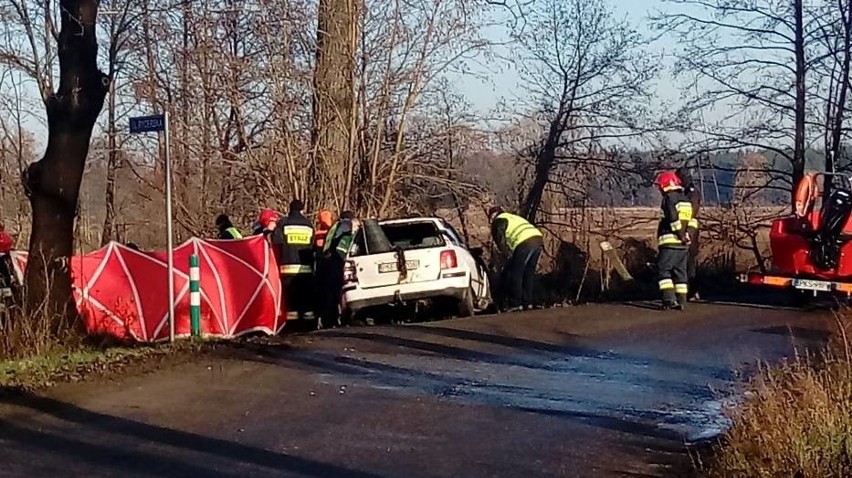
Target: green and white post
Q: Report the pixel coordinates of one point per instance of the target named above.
(194, 296)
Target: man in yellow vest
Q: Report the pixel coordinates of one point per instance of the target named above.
(227, 231)
(522, 243)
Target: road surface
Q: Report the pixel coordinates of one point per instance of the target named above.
(599, 390)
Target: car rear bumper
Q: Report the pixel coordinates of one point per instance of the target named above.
(355, 298)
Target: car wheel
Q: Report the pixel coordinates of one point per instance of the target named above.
(465, 305)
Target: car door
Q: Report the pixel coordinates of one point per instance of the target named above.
(478, 276)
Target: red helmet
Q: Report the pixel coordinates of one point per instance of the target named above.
(266, 217)
(6, 242)
(668, 180)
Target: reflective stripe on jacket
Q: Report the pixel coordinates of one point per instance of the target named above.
(339, 237)
(297, 245)
(235, 234)
(677, 220)
(518, 230)
(295, 269)
(298, 235)
(330, 236)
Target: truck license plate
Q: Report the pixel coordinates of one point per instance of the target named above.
(391, 266)
(807, 284)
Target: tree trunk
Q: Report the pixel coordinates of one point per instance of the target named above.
(52, 184)
(543, 165)
(799, 140)
(334, 101)
(109, 232)
(839, 107)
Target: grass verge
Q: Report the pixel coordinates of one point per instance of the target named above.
(86, 362)
(796, 419)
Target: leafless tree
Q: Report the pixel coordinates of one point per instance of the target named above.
(120, 17)
(588, 75)
(52, 184)
(334, 110)
(835, 41)
(751, 59)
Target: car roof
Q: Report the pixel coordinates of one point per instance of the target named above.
(412, 220)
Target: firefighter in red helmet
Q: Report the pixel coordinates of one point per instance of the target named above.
(673, 239)
(266, 223)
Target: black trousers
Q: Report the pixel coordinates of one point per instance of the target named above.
(672, 273)
(519, 274)
(297, 293)
(329, 287)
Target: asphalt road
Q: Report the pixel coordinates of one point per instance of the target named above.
(601, 390)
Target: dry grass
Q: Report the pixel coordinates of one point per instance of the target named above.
(796, 419)
(25, 334)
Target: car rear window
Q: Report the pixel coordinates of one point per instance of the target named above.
(413, 235)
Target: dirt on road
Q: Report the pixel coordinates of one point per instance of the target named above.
(599, 390)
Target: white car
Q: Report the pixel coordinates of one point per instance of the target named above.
(428, 263)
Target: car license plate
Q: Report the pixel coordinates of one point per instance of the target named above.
(807, 284)
(392, 267)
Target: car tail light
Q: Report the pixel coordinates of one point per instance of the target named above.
(449, 260)
(349, 274)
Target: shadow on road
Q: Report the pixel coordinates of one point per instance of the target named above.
(569, 348)
(127, 446)
(817, 336)
(619, 424)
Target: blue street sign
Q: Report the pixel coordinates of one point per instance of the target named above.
(147, 124)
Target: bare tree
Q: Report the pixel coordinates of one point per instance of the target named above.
(117, 28)
(52, 184)
(588, 74)
(749, 58)
(334, 100)
(835, 40)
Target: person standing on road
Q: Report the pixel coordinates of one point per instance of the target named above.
(227, 231)
(521, 243)
(694, 195)
(294, 236)
(673, 239)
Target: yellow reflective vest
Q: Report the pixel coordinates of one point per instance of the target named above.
(518, 230)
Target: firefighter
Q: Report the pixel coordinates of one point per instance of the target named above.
(267, 223)
(293, 237)
(324, 223)
(522, 243)
(226, 228)
(330, 268)
(673, 239)
(694, 195)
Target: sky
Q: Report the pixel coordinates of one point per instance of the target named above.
(503, 82)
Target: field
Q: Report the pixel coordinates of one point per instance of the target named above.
(732, 240)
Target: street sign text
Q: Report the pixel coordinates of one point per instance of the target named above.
(147, 124)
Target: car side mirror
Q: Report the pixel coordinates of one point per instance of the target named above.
(476, 251)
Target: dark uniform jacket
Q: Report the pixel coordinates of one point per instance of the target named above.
(677, 220)
(294, 236)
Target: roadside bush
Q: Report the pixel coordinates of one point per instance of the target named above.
(796, 419)
(23, 336)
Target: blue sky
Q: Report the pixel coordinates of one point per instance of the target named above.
(503, 83)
